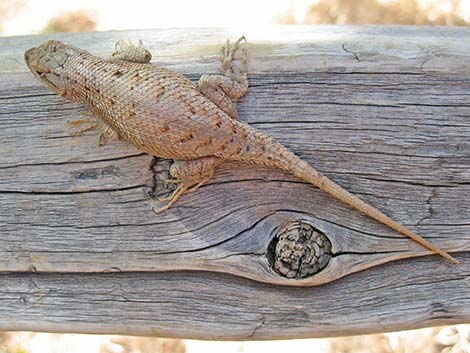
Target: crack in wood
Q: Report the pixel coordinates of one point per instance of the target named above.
(260, 324)
(65, 163)
(350, 52)
(73, 192)
(430, 210)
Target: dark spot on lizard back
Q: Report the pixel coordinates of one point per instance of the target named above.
(233, 128)
(187, 138)
(207, 142)
(223, 147)
(118, 73)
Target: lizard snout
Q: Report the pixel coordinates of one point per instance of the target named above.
(28, 54)
(48, 57)
(31, 57)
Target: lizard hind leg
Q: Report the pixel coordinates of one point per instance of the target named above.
(224, 89)
(190, 175)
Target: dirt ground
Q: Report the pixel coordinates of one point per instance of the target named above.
(448, 339)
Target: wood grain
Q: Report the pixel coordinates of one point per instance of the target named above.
(382, 111)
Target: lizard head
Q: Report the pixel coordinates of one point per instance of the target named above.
(47, 61)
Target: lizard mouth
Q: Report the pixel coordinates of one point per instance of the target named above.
(30, 57)
(42, 75)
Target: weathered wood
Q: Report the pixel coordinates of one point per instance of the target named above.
(395, 296)
(382, 111)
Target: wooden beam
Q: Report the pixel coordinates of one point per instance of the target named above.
(383, 111)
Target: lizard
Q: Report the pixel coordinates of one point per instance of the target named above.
(163, 113)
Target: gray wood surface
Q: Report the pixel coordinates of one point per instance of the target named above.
(382, 111)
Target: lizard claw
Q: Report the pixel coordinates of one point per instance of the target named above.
(228, 55)
(173, 180)
(166, 198)
(172, 198)
(92, 122)
(184, 187)
(161, 209)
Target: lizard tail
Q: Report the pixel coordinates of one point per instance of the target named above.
(306, 172)
(273, 154)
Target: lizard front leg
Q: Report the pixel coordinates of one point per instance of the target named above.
(106, 131)
(224, 89)
(127, 51)
(76, 123)
(190, 175)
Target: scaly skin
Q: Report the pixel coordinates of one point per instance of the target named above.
(164, 114)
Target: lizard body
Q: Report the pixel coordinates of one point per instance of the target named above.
(164, 114)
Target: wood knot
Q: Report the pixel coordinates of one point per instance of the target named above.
(299, 250)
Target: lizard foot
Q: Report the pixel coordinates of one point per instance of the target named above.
(127, 51)
(225, 89)
(227, 55)
(107, 133)
(184, 187)
(190, 175)
(166, 184)
(92, 122)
